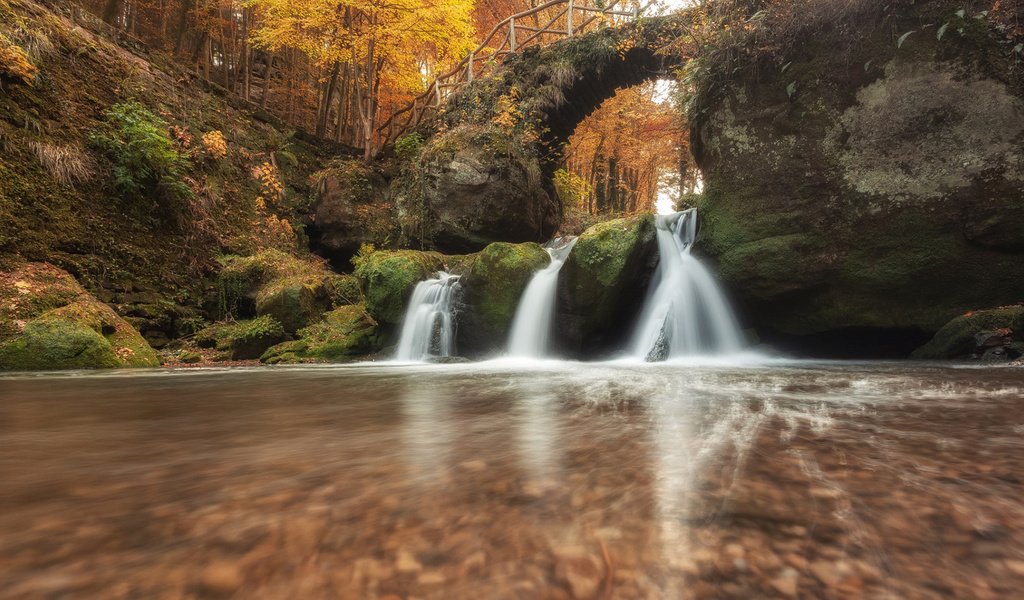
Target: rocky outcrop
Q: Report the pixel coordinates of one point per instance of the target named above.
(993, 335)
(48, 321)
(492, 288)
(349, 210)
(473, 185)
(603, 283)
(868, 194)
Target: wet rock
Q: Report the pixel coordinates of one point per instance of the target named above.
(389, 277)
(342, 334)
(602, 285)
(492, 290)
(974, 333)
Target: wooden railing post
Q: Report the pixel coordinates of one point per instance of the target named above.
(469, 68)
(437, 94)
(568, 19)
(512, 34)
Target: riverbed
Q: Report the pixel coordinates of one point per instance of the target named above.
(514, 480)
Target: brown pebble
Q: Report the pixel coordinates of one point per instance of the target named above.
(221, 578)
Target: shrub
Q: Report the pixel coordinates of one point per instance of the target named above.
(145, 159)
(215, 144)
(408, 145)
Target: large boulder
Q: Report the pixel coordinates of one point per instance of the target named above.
(867, 194)
(388, 278)
(348, 211)
(492, 287)
(473, 185)
(344, 333)
(48, 321)
(976, 333)
(603, 283)
(294, 291)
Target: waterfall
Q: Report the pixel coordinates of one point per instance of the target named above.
(685, 312)
(531, 326)
(428, 330)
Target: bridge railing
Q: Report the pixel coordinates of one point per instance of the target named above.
(570, 17)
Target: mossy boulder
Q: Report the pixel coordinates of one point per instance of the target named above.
(880, 199)
(48, 321)
(473, 185)
(603, 282)
(492, 288)
(296, 292)
(348, 210)
(389, 276)
(242, 340)
(958, 338)
(344, 333)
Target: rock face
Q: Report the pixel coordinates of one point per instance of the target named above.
(603, 283)
(470, 187)
(348, 211)
(492, 288)
(880, 198)
(48, 321)
(997, 333)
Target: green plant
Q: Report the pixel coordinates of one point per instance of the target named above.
(408, 145)
(144, 156)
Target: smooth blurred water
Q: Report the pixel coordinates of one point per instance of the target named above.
(514, 480)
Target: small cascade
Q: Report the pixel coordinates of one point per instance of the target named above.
(685, 313)
(531, 327)
(428, 330)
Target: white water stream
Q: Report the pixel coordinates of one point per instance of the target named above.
(428, 330)
(534, 318)
(686, 313)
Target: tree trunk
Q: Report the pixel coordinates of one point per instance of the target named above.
(186, 7)
(112, 10)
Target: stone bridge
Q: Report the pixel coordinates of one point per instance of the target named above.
(484, 171)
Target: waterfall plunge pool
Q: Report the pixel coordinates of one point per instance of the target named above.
(493, 480)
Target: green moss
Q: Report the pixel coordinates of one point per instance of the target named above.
(242, 277)
(495, 283)
(956, 338)
(243, 340)
(48, 321)
(388, 278)
(603, 251)
(294, 301)
(344, 332)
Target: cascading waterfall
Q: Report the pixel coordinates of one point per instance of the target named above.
(685, 313)
(428, 330)
(531, 326)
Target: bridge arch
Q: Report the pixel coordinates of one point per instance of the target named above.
(485, 171)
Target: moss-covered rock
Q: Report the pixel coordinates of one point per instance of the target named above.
(242, 340)
(349, 210)
(957, 339)
(388, 278)
(241, 278)
(603, 282)
(344, 333)
(492, 289)
(48, 321)
(881, 198)
(474, 185)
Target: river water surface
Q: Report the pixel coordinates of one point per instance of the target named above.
(496, 480)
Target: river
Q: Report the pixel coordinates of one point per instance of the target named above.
(501, 480)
